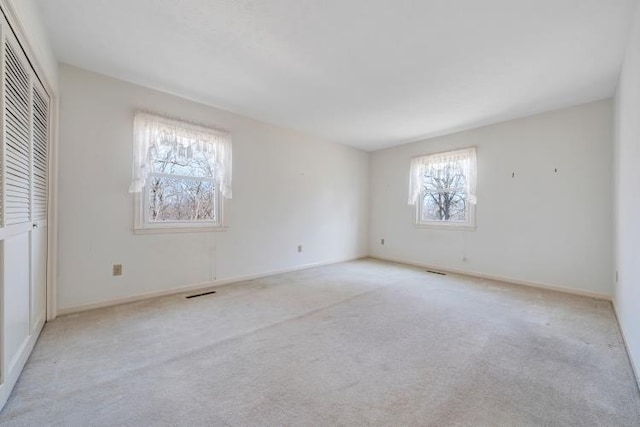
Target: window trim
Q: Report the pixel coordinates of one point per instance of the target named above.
(470, 224)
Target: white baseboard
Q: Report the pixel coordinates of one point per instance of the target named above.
(500, 278)
(17, 364)
(195, 287)
(627, 344)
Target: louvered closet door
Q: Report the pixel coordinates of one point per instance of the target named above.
(25, 111)
(39, 191)
(16, 127)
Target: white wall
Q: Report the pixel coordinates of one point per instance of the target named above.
(288, 189)
(627, 189)
(544, 227)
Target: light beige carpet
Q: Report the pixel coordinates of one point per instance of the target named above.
(359, 343)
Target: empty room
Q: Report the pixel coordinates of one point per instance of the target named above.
(320, 212)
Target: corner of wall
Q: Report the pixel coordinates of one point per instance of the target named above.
(626, 239)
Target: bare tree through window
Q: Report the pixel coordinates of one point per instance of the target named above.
(445, 194)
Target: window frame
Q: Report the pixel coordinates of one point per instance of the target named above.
(142, 224)
(470, 223)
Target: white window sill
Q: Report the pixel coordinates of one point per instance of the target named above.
(445, 226)
(170, 230)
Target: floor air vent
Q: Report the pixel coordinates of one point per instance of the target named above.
(436, 272)
(201, 295)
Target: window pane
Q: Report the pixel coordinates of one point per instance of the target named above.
(444, 206)
(446, 176)
(179, 159)
(176, 199)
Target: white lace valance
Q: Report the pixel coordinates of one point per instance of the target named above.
(464, 159)
(153, 131)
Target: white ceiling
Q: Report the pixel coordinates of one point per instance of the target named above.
(368, 73)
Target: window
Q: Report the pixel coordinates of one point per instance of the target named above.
(442, 187)
(181, 174)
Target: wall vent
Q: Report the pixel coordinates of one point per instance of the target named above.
(436, 272)
(201, 295)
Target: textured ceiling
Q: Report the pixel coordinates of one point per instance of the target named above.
(368, 73)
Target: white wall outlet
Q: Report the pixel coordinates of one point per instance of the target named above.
(299, 248)
(382, 241)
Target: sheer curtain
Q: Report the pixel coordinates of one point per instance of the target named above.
(419, 165)
(150, 130)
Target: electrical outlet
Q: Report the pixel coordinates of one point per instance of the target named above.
(117, 269)
(299, 248)
(382, 241)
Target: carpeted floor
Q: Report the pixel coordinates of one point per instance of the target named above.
(359, 343)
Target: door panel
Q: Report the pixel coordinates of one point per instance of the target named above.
(38, 276)
(39, 192)
(16, 295)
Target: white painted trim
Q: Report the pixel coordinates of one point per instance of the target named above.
(634, 367)
(197, 286)
(52, 216)
(184, 229)
(508, 280)
(3, 374)
(463, 226)
(14, 371)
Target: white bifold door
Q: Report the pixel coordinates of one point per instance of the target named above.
(24, 159)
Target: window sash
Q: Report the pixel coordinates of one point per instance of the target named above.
(468, 222)
(150, 223)
(177, 176)
(447, 190)
(467, 209)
